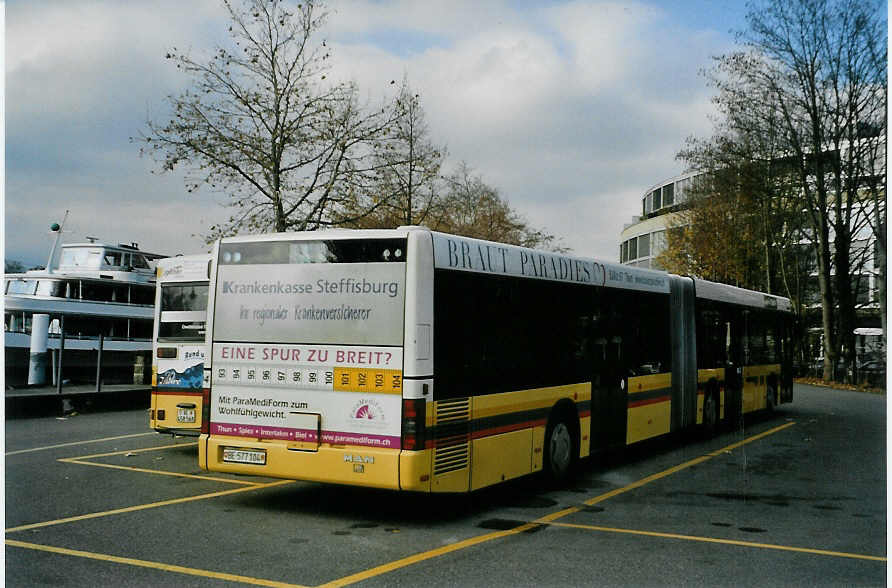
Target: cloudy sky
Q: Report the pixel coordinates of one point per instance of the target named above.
(571, 109)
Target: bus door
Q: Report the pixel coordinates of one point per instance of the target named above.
(609, 377)
(735, 333)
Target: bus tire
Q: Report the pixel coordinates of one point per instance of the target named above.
(561, 447)
(710, 414)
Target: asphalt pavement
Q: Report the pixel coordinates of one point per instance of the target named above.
(795, 498)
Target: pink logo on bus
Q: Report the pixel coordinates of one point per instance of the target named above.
(369, 411)
(364, 412)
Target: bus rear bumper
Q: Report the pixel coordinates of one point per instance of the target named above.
(355, 466)
(178, 432)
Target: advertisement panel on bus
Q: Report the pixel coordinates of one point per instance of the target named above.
(308, 350)
(344, 395)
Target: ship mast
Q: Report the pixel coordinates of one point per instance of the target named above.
(58, 230)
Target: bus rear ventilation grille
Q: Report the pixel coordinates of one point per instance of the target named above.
(450, 459)
(452, 440)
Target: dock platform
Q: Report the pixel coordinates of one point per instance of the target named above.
(70, 390)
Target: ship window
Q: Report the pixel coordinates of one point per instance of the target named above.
(97, 291)
(113, 258)
(142, 295)
(73, 257)
(22, 287)
(140, 262)
(14, 322)
(140, 329)
(119, 294)
(53, 288)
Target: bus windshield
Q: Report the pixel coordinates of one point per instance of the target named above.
(340, 292)
(184, 297)
(183, 309)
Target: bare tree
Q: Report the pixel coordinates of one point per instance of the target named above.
(262, 124)
(410, 164)
(815, 71)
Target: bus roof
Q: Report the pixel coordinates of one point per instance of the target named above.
(490, 257)
(734, 295)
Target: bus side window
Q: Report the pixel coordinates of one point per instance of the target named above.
(648, 346)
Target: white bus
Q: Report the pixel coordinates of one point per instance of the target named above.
(415, 360)
(179, 348)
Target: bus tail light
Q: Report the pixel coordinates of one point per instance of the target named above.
(167, 352)
(205, 411)
(413, 424)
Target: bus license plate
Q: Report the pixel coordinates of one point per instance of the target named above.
(252, 456)
(185, 415)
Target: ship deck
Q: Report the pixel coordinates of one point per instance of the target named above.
(70, 390)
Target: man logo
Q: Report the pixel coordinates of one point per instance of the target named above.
(348, 458)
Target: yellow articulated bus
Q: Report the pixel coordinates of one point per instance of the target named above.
(179, 348)
(415, 360)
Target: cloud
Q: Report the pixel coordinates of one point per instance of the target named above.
(81, 79)
(570, 109)
(571, 113)
(352, 18)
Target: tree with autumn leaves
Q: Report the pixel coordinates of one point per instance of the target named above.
(796, 166)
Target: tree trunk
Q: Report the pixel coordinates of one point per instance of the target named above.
(827, 310)
(846, 309)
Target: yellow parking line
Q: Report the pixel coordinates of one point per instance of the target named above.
(151, 564)
(723, 541)
(547, 519)
(419, 557)
(128, 451)
(160, 472)
(78, 443)
(139, 507)
(82, 461)
(685, 465)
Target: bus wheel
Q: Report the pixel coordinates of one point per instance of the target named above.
(770, 398)
(559, 444)
(710, 414)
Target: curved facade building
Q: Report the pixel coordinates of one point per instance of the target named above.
(645, 237)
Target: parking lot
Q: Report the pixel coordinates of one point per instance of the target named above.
(794, 498)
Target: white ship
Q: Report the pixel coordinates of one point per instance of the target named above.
(94, 289)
